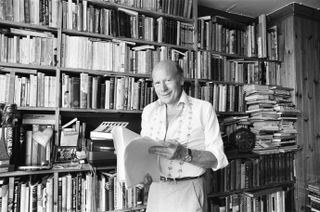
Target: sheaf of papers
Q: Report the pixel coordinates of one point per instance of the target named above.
(133, 159)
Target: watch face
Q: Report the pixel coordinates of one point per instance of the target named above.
(188, 157)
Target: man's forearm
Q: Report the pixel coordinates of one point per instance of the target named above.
(204, 159)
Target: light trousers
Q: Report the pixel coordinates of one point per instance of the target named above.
(180, 196)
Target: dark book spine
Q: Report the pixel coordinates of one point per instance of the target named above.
(60, 194)
(142, 94)
(74, 192)
(8, 10)
(96, 21)
(110, 188)
(122, 23)
(90, 16)
(45, 12)
(112, 91)
(34, 198)
(64, 14)
(114, 23)
(141, 26)
(102, 95)
(17, 196)
(26, 12)
(41, 11)
(78, 192)
(76, 92)
(89, 95)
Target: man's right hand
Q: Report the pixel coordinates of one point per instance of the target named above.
(147, 180)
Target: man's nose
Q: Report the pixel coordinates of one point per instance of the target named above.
(163, 86)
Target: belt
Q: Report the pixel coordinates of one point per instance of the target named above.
(168, 179)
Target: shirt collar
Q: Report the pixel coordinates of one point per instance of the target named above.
(183, 99)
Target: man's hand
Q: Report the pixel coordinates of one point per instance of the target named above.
(171, 149)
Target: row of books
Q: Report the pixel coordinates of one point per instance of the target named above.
(313, 193)
(223, 35)
(254, 172)
(36, 90)
(27, 194)
(176, 8)
(268, 200)
(36, 140)
(43, 12)
(219, 68)
(85, 53)
(84, 91)
(28, 47)
(223, 97)
(120, 93)
(125, 23)
(31, 151)
(76, 192)
(229, 36)
(114, 195)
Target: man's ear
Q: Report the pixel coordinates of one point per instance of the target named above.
(181, 81)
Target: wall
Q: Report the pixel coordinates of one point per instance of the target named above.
(300, 43)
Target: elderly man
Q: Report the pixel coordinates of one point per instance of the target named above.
(189, 133)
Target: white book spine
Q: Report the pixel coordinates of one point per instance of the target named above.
(23, 196)
(107, 95)
(64, 194)
(69, 193)
(49, 189)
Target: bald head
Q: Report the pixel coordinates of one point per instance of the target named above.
(170, 66)
(168, 81)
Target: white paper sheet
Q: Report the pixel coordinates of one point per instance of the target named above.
(138, 161)
(133, 159)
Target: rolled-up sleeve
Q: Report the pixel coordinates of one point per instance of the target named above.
(213, 140)
(144, 121)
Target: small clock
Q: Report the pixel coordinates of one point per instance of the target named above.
(243, 140)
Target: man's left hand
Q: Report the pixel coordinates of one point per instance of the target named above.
(171, 149)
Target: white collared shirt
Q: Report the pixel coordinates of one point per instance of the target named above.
(196, 127)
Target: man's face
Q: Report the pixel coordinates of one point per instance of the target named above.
(168, 85)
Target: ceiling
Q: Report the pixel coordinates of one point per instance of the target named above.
(254, 8)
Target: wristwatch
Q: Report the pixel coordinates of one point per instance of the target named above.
(188, 157)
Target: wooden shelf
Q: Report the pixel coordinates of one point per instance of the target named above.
(130, 40)
(128, 209)
(29, 26)
(143, 11)
(105, 73)
(79, 110)
(271, 185)
(219, 82)
(55, 169)
(26, 67)
(231, 113)
(49, 109)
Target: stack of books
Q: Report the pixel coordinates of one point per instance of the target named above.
(314, 196)
(260, 103)
(287, 115)
(272, 114)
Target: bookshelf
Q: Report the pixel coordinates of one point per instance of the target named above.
(62, 56)
(236, 53)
